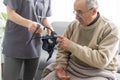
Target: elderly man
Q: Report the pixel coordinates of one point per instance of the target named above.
(89, 48)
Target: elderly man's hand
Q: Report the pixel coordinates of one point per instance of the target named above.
(62, 75)
(62, 41)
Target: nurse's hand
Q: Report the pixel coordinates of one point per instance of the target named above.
(49, 29)
(33, 26)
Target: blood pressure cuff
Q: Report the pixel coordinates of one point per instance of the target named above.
(49, 42)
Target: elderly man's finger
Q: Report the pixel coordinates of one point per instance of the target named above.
(59, 36)
(65, 78)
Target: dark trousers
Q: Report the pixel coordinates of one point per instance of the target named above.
(12, 68)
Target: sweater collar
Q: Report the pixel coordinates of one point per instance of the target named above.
(93, 24)
(98, 15)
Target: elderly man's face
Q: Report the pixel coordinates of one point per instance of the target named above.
(83, 14)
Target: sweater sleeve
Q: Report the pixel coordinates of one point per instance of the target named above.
(63, 56)
(103, 54)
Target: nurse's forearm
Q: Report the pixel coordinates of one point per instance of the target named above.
(46, 23)
(16, 18)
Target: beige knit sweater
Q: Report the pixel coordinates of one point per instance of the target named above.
(94, 46)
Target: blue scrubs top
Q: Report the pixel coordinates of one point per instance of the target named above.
(16, 36)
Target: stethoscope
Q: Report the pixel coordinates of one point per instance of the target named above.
(34, 5)
(39, 19)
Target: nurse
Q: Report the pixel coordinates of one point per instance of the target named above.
(23, 18)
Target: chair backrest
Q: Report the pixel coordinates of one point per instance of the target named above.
(60, 26)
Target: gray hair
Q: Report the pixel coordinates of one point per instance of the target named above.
(91, 4)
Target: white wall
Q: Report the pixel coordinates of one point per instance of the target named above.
(2, 6)
(63, 10)
(110, 9)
